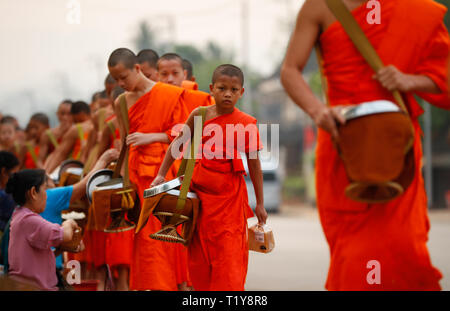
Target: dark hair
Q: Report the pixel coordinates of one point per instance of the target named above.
(124, 56)
(170, 56)
(109, 79)
(21, 182)
(116, 92)
(66, 101)
(228, 70)
(8, 160)
(41, 118)
(80, 106)
(8, 119)
(149, 56)
(187, 65)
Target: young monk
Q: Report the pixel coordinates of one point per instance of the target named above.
(51, 138)
(189, 83)
(153, 108)
(147, 60)
(37, 125)
(75, 139)
(110, 84)
(218, 253)
(171, 71)
(8, 135)
(413, 43)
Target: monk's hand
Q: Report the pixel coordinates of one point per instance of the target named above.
(393, 79)
(139, 139)
(327, 119)
(261, 214)
(157, 181)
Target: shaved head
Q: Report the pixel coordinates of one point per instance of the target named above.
(187, 65)
(124, 56)
(170, 56)
(109, 79)
(149, 56)
(228, 70)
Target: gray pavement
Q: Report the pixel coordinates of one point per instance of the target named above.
(300, 259)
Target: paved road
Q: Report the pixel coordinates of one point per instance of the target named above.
(300, 259)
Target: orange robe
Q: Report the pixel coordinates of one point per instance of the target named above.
(28, 160)
(154, 264)
(194, 99)
(395, 233)
(189, 85)
(218, 253)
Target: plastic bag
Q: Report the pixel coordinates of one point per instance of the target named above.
(260, 238)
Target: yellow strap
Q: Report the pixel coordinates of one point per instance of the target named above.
(112, 127)
(360, 41)
(124, 116)
(189, 167)
(32, 153)
(52, 138)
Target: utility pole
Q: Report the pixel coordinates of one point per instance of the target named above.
(428, 155)
(247, 100)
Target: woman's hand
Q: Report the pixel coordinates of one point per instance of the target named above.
(261, 214)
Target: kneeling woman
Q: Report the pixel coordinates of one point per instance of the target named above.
(31, 259)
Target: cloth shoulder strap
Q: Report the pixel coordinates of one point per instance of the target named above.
(188, 168)
(32, 152)
(123, 156)
(359, 39)
(52, 138)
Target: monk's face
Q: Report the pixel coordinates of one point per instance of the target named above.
(226, 91)
(103, 102)
(109, 87)
(149, 71)
(63, 114)
(7, 134)
(171, 72)
(80, 117)
(35, 129)
(126, 78)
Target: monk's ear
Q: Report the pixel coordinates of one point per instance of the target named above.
(211, 87)
(242, 92)
(185, 74)
(137, 67)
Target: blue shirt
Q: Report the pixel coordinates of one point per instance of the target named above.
(7, 206)
(58, 200)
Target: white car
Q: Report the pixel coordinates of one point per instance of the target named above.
(271, 186)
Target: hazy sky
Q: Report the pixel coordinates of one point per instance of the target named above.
(44, 57)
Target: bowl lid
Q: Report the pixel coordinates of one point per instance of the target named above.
(368, 108)
(171, 184)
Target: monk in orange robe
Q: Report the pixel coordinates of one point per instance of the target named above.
(75, 139)
(218, 252)
(174, 70)
(51, 138)
(189, 83)
(154, 109)
(147, 60)
(413, 43)
(37, 125)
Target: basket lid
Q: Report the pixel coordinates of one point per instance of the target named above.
(97, 178)
(171, 184)
(368, 108)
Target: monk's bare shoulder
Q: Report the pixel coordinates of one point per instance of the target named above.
(314, 10)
